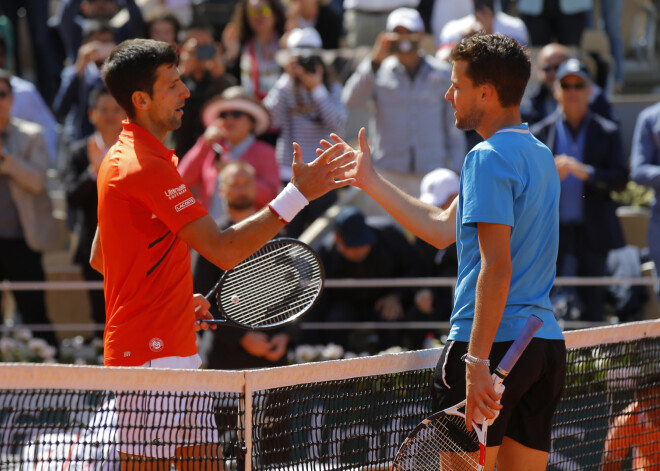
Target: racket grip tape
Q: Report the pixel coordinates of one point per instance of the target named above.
(512, 355)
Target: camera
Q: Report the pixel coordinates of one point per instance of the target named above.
(309, 63)
(205, 52)
(404, 45)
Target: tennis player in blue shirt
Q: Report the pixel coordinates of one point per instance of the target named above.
(505, 224)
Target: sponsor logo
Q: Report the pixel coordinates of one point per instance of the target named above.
(175, 192)
(156, 344)
(127, 354)
(184, 204)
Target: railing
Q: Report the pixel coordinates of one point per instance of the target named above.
(330, 284)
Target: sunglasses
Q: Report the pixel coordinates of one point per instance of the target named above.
(574, 86)
(548, 68)
(4, 94)
(264, 11)
(231, 113)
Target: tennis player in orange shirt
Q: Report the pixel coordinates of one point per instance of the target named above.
(148, 219)
(637, 428)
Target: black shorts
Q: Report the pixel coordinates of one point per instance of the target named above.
(533, 389)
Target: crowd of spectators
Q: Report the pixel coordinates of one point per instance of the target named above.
(271, 72)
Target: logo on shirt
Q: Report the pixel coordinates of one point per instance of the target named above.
(184, 204)
(156, 344)
(175, 192)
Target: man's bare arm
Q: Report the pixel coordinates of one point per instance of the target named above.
(229, 247)
(434, 225)
(96, 257)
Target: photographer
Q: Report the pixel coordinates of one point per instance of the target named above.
(412, 128)
(306, 105)
(79, 79)
(486, 18)
(203, 72)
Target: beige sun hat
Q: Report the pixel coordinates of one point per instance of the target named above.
(236, 98)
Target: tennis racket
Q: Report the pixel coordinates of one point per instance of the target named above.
(274, 286)
(442, 441)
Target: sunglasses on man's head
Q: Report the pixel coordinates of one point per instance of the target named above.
(548, 68)
(256, 11)
(231, 113)
(573, 86)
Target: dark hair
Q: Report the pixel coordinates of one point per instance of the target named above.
(94, 27)
(497, 60)
(132, 67)
(200, 25)
(6, 77)
(95, 94)
(161, 14)
(240, 19)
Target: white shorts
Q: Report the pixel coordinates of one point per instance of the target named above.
(155, 424)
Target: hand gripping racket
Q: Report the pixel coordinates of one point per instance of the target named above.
(442, 442)
(276, 285)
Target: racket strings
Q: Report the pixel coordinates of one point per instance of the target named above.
(444, 444)
(272, 286)
(272, 289)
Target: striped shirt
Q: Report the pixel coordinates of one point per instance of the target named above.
(304, 117)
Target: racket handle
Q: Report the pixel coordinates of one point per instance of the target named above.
(512, 355)
(499, 388)
(213, 321)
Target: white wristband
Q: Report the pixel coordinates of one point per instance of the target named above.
(288, 203)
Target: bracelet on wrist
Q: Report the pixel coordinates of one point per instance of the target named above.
(470, 360)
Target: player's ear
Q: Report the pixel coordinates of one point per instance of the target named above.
(488, 92)
(141, 100)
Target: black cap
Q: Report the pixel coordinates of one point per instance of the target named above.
(353, 229)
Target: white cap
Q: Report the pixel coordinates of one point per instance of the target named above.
(438, 185)
(409, 18)
(304, 37)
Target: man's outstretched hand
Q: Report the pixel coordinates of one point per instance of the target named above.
(362, 173)
(333, 168)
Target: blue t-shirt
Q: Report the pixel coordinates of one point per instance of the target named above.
(509, 179)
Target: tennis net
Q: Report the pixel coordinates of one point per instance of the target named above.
(336, 415)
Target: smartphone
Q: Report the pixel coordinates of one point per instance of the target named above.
(205, 52)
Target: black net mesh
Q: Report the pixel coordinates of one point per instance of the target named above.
(339, 424)
(72, 429)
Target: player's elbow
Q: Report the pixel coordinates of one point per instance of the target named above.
(499, 267)
(96, 262)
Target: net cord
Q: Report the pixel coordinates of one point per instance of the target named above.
(105, 378)
(48, 376)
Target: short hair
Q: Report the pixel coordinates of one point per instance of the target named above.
(237, 165)
(161, 14)
(5, 76)
(95, 94)
(132, 67)
(497, 60)
(94, 27)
